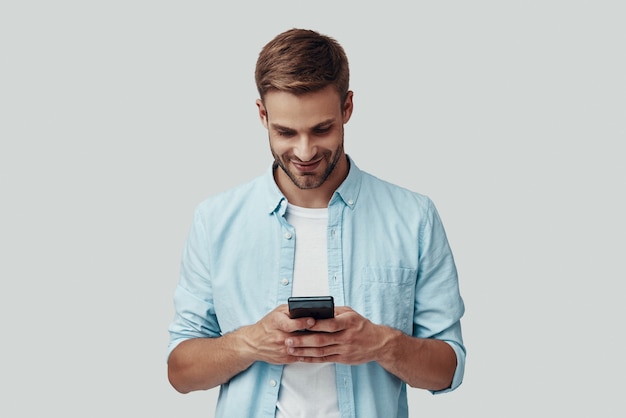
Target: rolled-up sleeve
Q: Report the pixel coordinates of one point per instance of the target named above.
(194, 311)
(438, 302)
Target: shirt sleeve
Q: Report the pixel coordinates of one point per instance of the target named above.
(194, 312)
(438, 302)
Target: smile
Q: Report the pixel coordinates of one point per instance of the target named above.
(306, 167)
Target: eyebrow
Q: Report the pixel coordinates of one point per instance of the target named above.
(322, 124)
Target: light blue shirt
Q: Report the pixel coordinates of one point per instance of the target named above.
(388, 259)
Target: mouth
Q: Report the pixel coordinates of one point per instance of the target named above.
(306, 167)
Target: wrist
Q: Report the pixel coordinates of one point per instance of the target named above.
(242, 343)
(391, 344)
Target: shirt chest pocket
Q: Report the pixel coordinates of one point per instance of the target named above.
(388, 296)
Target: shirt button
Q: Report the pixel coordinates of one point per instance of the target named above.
(287, 235)
(273, 383)
(351, 202)
(284, 282)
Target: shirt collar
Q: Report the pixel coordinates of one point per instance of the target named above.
(347, 192)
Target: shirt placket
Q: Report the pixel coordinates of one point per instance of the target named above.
(283, 291)
(343, 373)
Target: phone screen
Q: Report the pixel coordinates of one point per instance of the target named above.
(318, 307)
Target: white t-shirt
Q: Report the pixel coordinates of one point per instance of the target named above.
(309, 390)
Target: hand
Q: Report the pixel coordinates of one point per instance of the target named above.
(348, 338)
(265, 340)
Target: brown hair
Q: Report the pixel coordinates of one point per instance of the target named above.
(300, 61)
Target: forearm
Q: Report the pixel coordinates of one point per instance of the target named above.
(420, 362)
(203, 363)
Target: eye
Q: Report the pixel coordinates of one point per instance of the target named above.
(284, 133)
(322, 131)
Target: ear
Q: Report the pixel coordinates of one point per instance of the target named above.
(348, 106)
(262, 112)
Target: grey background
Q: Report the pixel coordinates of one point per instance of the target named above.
(117, 118)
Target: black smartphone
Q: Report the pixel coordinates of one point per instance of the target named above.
(318, 307)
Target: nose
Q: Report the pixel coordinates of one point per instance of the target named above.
(304, 148)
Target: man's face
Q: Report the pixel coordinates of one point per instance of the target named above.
(306, 134)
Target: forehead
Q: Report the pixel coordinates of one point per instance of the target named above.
(304, 110)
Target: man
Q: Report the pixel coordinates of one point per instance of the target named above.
(315, 224)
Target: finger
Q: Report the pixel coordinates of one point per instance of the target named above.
(318, 360)
(279, 319)
(342, 309)
(298, 324)
(311, 340)
(327, 325)
(313, 352)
